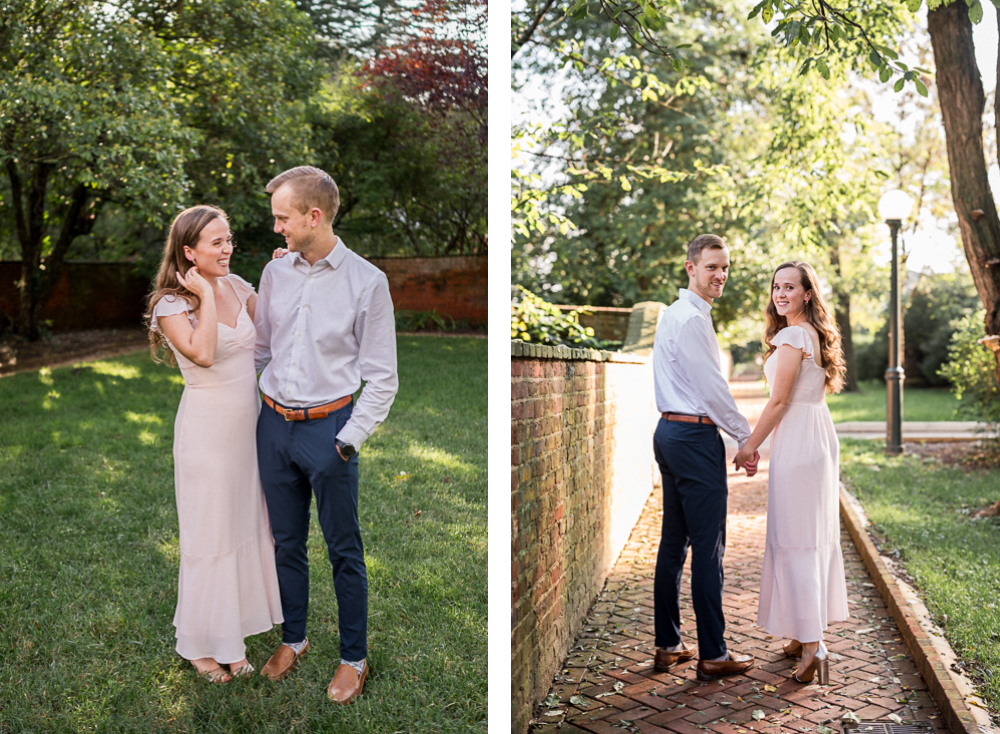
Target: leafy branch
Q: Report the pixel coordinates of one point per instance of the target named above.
(820, 23)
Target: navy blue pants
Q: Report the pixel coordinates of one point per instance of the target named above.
(692, 460)
(298, 459)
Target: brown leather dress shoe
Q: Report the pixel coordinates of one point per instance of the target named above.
(715, 669)
(347, 685)
(665, 659)
(283, 662)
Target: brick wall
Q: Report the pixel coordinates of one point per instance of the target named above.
(449, 285)
(98, 294)
(607, 323)
(88, 295)
(581, 469)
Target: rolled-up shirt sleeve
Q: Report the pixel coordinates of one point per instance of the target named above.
(375, 331)
(698, 361)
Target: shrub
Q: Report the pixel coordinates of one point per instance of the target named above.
(937, 301)
(969, 369)
(535, 320)
(423, 321)
(934, 304)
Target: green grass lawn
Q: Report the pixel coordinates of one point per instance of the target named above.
(921, 511)
(925, 404)
(89, 559)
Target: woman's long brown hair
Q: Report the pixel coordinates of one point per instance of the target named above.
(817, 314)
(184, 232)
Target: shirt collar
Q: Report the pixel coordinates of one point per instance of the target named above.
(700, 303)
(334, 259)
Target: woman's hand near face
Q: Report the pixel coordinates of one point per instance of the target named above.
(196, 343)
(196, 283)
(279, 252)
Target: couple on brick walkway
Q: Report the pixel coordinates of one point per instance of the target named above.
(803, 587)
(610, 683)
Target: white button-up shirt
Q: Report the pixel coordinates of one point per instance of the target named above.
(687, 371)
(324, 328)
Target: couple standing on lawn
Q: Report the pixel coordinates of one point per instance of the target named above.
(245, 471)
(802, 586)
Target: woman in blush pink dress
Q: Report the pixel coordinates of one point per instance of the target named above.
(228, 585)
(802, 586)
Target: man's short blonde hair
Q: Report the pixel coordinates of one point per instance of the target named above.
(704, 242)
(311, 188)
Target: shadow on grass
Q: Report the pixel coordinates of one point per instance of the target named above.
(89, 558)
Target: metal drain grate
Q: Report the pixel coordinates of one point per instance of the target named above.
(886, 727)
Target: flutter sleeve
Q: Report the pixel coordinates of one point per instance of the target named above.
(793, 336)
(243, 289)
(168, 306)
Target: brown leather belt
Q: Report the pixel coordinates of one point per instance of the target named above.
(303, 414)
(685, 418)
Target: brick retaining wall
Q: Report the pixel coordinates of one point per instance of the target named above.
(100, 294)
(449, 285)
(581, 470)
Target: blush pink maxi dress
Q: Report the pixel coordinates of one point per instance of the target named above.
(228, 585)
(802, 585)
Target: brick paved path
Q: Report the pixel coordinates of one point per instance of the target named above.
(608, 685)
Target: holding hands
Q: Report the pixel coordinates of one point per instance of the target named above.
(747, 460)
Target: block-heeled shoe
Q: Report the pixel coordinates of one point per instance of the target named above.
(819, 668)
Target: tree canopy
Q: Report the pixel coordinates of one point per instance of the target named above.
(835, 174)
(115, 115)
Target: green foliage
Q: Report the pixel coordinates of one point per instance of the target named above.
(347, 28)
(648, 156)
(89, 555)
(647, 162)
(859, 37)
(114, 116)
(423, 321)
(933, 307)
(131, 112)
(970, 370)
(410, 183)
(535, 320)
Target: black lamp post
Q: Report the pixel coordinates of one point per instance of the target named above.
(894, 207)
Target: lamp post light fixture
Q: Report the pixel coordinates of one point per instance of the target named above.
(893, 208)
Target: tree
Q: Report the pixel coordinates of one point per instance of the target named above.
(862, 33)
(410, 183)
(143, 104)
(355, 29)
(744, 148)
(405, 134)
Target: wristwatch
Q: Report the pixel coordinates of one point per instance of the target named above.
(347, 450)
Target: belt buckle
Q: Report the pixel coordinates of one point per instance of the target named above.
(288, 414)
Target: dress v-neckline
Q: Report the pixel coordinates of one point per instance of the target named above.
(238, 313)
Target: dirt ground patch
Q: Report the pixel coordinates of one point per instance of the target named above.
(17, 355)
(965, 455)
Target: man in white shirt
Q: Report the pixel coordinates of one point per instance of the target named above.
(324, 323)
(694, 400)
